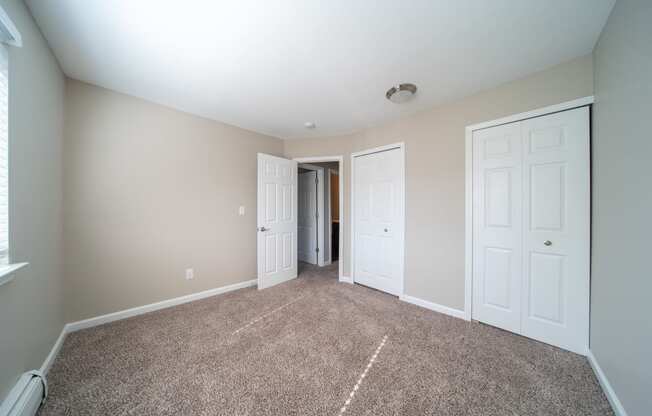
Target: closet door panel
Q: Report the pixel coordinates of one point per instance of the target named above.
(378, 216)
(497, 226)
(556, 214)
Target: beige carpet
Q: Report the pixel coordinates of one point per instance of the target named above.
(314, 346)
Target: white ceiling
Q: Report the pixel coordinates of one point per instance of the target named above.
(271, 65)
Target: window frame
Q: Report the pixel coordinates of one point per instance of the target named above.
(9, 38)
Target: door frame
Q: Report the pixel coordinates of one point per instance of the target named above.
(320, 209)
(340, 160)
(330, 173)
(401, 234)
(468, 205)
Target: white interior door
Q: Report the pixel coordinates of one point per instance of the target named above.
(498, 228)
(307, 217)
(277, 220)
(378, 220)
(556, 220)
(531, 223)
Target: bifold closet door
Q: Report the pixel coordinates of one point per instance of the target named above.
(531, 219)
(497, 265)
(378, 216)
(556, 238)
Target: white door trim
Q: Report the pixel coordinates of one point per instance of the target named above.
(340, 160)
(320, 210)
(580, 102)
(401, 235)
(329, 241)
(468, 211)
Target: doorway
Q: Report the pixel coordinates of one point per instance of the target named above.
(335, 214)
(311, 200)
(277, 212)
(319, 226)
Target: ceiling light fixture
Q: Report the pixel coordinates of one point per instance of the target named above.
(401, 93)
(309, 125)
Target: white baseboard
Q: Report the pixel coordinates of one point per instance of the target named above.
(47, 364)
(139, 310)
(616, 405)
(127, 313)
(346, 279)
(434, 306)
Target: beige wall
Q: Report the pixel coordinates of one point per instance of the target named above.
(434, 244)
(621, 281)
(31, 314)
(150, 191)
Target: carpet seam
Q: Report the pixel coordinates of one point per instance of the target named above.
(265, 315)
(370, 364)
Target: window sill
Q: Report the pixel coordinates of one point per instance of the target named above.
(7, 272)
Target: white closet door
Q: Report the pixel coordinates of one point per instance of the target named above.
(307, 217)
(497, 226)
(378, 216)
(556, 218)
(531, 224)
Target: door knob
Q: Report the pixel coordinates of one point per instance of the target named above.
(385, 230)
(547, 243)
(263, 229)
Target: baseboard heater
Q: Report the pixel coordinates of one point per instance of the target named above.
(26, 396)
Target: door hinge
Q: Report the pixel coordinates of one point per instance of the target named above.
(317, 249)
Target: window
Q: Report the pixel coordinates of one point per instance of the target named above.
(9, 38)
(4, 156)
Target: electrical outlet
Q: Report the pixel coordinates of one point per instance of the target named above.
(241, 210)
(190, 274)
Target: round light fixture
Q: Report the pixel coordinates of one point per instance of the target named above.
(309, 125)
(401, 93)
